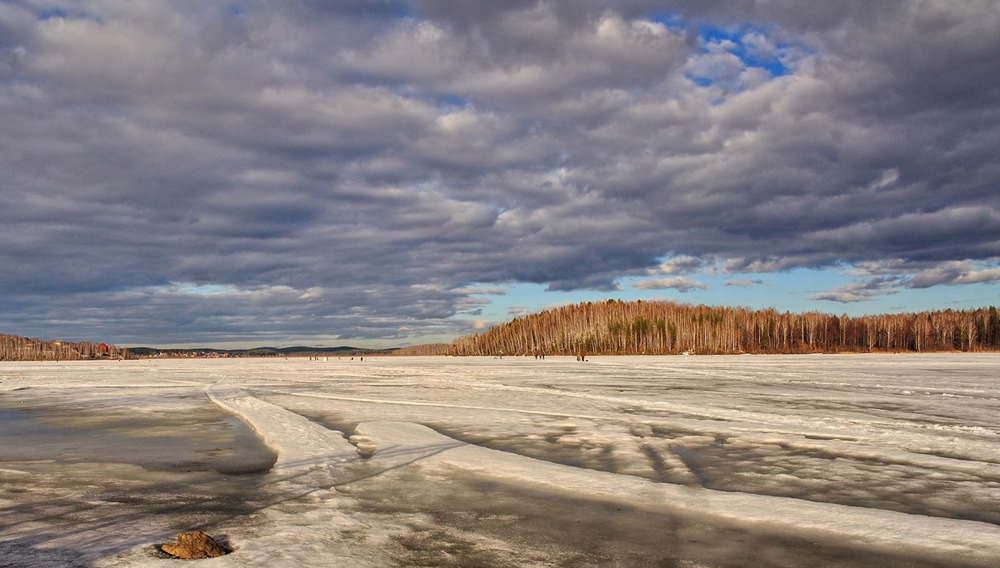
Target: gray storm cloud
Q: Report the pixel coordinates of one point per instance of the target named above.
(178, 172)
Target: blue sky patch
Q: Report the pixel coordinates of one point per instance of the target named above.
(753, 46)
(723, 52)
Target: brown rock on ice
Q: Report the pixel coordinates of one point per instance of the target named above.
(194, 545)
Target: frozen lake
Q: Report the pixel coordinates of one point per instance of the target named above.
(832, 460)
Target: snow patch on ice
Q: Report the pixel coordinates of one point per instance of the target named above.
(298, 441)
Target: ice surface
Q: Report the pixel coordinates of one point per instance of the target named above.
(889, 460)
(168, 429)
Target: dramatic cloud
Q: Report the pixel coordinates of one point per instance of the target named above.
(182, 172)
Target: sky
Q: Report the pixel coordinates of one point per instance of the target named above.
(386, 172)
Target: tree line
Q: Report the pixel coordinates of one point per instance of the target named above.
(15, 348)
(664, 328)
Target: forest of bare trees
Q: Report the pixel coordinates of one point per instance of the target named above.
(661, 328)
(14, 348)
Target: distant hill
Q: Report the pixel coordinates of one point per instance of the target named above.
(295, 351)
(631, 328)
(16, 348)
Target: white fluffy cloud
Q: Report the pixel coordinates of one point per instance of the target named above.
(679, 283)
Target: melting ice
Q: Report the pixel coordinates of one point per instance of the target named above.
(847, 460)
